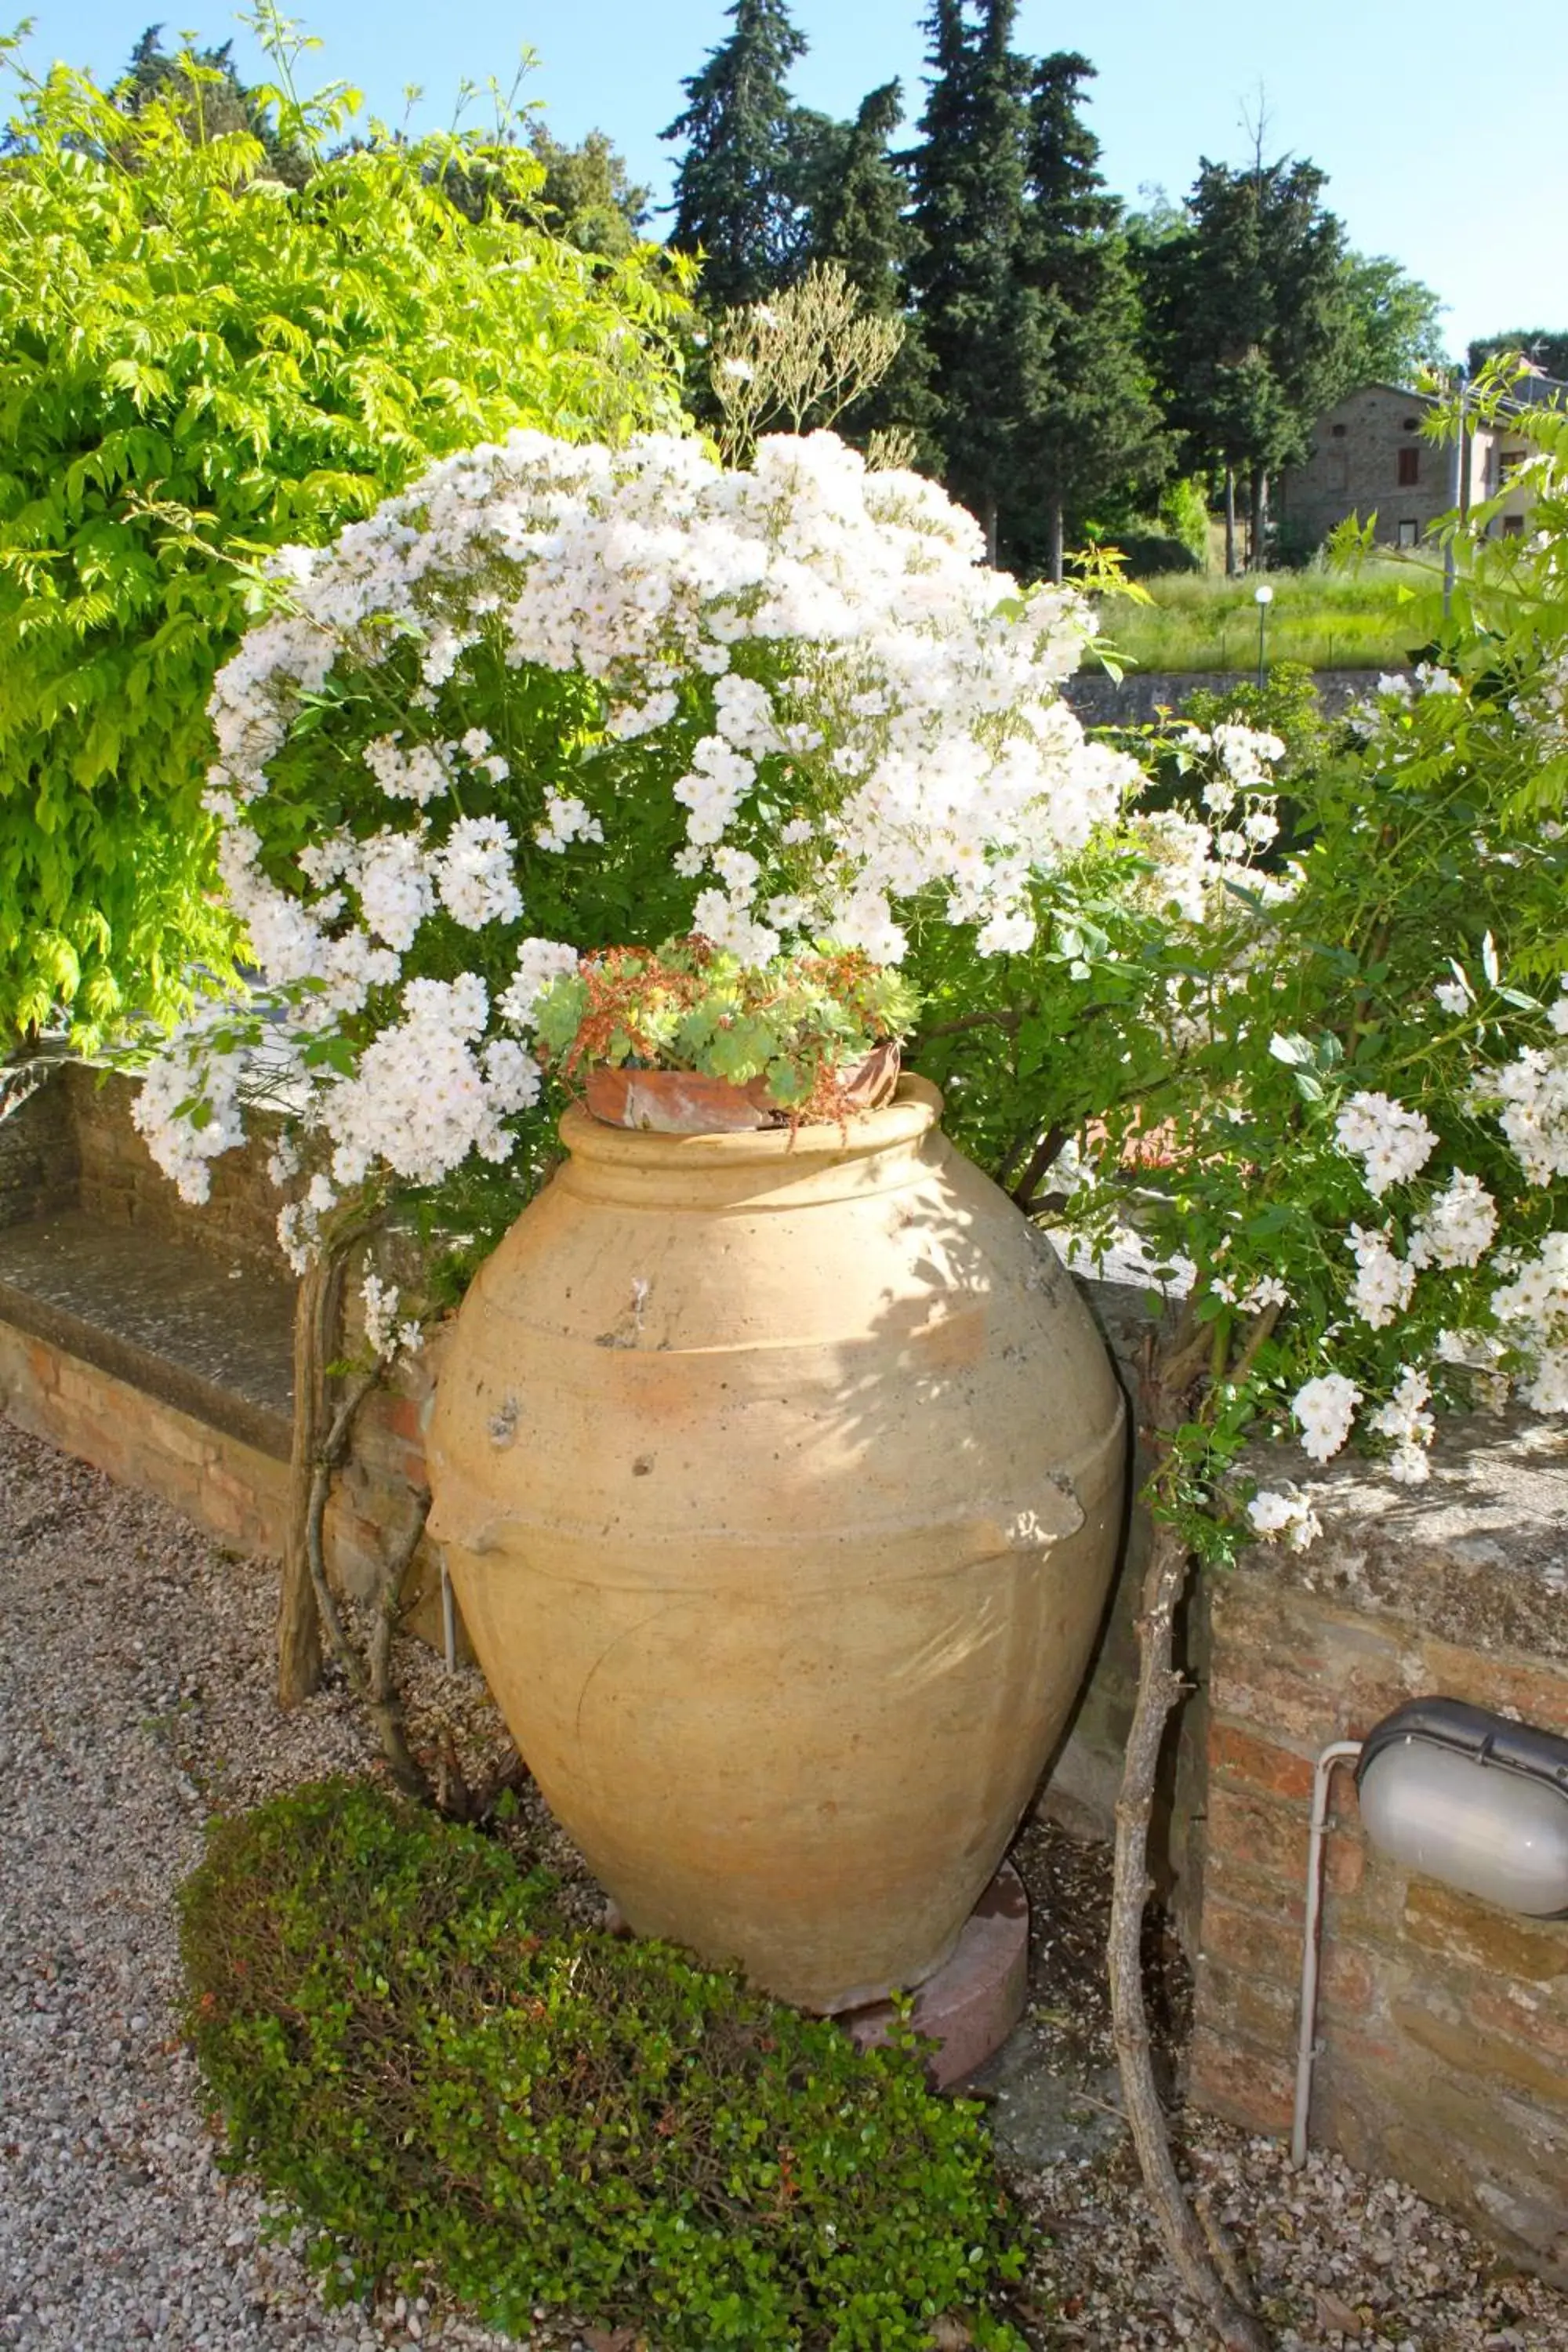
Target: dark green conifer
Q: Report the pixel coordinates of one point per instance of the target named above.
(737, 189)
(968, 178)
(1090, 431)
(858, 211)
(1027, 304)
(1251, 324)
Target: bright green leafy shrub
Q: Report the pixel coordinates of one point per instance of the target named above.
(446, 2080)
(198, 364)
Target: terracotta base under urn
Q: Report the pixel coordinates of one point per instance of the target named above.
(975, 1999)
(972, 2003)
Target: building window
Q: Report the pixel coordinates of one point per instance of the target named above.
(1512, 526)
(1409, 468)
(1337, 431)
(1409, 534)
(1508, 462)
(1412, 425)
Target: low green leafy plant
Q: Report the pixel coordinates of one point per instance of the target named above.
(803, 1023)
(453, 2086)
(1287, 705)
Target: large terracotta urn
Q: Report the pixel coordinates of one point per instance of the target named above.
(779, 1477)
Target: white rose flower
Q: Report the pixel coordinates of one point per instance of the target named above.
(1324, 1410)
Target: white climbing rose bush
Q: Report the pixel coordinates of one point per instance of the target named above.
(553, 697)
(1365, 1141)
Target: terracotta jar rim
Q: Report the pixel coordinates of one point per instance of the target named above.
(913, 1111)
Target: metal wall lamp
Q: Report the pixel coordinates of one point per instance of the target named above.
(1458, 1794)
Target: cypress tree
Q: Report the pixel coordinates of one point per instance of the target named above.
(968, 177)
(737, 194)
(1027, 303)
(858, 207)
(1090, 430)
(859, 220)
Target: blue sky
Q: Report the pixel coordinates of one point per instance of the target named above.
(1443, 130)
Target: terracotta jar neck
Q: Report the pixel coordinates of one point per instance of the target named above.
(877, 1151)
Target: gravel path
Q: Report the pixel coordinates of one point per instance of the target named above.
(134, 1696)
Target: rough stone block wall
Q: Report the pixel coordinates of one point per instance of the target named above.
(1135, 700)
(1355, 470)
(1443, 2021)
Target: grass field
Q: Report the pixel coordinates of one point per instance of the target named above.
(1364, 620)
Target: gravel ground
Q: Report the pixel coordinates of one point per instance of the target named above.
(1335, 2259)
(134, 1696)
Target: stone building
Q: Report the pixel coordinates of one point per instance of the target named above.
(1368, 458)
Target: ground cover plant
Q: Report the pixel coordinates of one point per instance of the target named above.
(1321, 619)
(451, 2084)
(199, 363)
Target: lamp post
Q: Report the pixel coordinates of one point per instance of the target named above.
(1262, 597)
(1461, 492)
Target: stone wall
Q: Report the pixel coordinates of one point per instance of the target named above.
(1353, 467)
(1139, 697)
(1443, 2021)
(40, 1155)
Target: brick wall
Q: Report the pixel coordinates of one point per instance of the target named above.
(119, 1181)
(1444, 2022)
(39, 1155)
(234, 1490)
(237, 1492)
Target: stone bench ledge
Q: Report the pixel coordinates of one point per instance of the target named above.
(1477, 1556)
(214, 1341)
